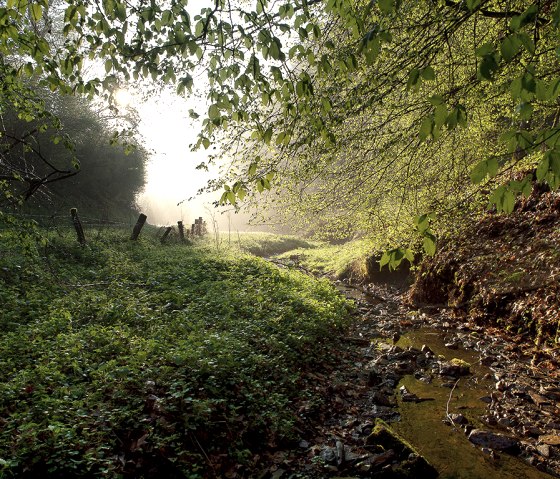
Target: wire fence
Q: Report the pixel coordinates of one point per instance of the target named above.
(93, 228)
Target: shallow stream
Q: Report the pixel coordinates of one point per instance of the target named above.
(422, 423)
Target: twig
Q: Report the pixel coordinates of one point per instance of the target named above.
(449, 401)
(203, 451)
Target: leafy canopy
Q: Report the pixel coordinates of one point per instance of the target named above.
(293, 80)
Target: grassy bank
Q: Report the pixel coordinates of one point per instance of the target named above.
(349, 260)
(132, 359)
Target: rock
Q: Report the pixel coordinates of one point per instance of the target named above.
(544, 450)
(487, 360)
(538, 399)
(340, 453)
(374, 460)
(493, 440)
(386, 413)
(411, 463)
(507, 422)
(328, 454)
(303, 444)
(426, 350)
(550, 439)
(382, 399)
(374, 378)
(454, 368)
(404, 367)
(458, 418)
(501, 385)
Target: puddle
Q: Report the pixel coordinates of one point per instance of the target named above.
(422, 423)
(358, 294)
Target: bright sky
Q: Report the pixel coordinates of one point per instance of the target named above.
(172, 177)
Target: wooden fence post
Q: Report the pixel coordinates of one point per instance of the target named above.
(138, 226)
(166, 234)
(78, 226)
(181, 231)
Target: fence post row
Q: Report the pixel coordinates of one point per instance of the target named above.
(181, 231)
(78, 226)
(138, 226)
(166, 234)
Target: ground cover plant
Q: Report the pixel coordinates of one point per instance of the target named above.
(346, 260)
(129, 359)
(269, 244)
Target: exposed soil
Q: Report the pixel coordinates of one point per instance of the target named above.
(502, 271)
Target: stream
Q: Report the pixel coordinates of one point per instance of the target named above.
(422, 423)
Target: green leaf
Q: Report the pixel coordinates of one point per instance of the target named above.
(556, 15)
(486, 49)
(509, 47)
(36, 11)
(426, 128)
(527, 42)
(413, 79)
(543, 167)
(440, 115)
(121, 11)
(213, 112)
(524, 110)
(473, 4)
(554, 162)
(487, 66)
(508, 201)
(492, 167)
(429, 245)
(108, 65)
(479, 172)
(428, 73)
(386, 6)
(554, 89)
(436, 100)
(385, 258)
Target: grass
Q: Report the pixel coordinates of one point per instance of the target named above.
(124, 359)
(262, 244)
(348, 260)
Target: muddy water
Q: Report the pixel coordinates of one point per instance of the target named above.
(422, 423)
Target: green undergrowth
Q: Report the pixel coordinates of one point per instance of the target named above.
(349, 260)
(129, 359)
(266, 244)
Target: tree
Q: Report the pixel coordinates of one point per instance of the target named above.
(300, 75)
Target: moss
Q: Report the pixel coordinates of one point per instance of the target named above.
(411, 463)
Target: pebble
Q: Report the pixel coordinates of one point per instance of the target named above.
(492, 440)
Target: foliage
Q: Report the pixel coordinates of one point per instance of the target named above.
(362, 115)
(516, 289)
(269, 244)
(123, 358)
(347, 260)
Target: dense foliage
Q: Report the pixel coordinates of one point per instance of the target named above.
(366, 115)
(104, 176)
(128, 358)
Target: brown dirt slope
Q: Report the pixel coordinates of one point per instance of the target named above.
(502, 271)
